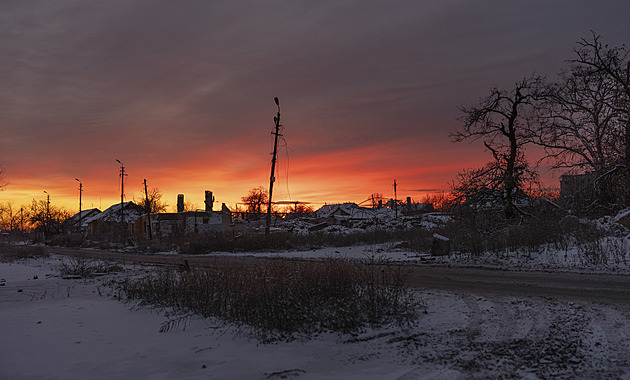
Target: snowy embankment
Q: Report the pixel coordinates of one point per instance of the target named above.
(606, 255)
(75, 329)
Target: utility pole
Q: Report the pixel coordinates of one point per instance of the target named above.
(147, 205)
(272, 178)
(395, 199)
(80, 196)
(47, 220)
(122, 195)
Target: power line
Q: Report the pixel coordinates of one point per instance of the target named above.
(286, 149)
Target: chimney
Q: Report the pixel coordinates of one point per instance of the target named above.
(180, 202)
(408, 201)
(209, 201)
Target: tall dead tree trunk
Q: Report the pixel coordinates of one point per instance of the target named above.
(501, 121)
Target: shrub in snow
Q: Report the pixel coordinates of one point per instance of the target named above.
(10, 252)
(80, 267)
(281, 297)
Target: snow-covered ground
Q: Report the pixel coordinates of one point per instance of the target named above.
(607, 255)
(54, 328)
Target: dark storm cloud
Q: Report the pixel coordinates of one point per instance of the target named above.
(92, 79)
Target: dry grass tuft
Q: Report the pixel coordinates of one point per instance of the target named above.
(283, 297)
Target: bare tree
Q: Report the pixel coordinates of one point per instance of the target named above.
(13, 218)
(585, 124)
(612, 63)
(486, 185)
(578, 127)
(154, 199)
(503, 120)
(4, 218)
(441, 202)
(190, 206)
(48, 216)
(255, 199)
(301, 208)
(584, 120)
(9, 218)
(38, 213)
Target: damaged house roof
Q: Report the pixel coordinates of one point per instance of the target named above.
(353, 211)
(83, 216)
(131, 213)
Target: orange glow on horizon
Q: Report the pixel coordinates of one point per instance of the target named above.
(333, 177)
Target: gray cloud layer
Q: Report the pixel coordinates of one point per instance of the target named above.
(100, 78)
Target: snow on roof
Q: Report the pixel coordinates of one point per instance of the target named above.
(440, 237)
(353, 211)
(131, 213)
(84, 213)
(83, 216)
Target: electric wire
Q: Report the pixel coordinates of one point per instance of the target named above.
(286, 149)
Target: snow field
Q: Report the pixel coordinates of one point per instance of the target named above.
(74, 329)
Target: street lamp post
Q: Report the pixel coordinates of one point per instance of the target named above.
(122, 199)
(80, 196)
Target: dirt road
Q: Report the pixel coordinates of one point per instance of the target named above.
(589, 287)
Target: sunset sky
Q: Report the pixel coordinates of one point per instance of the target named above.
(182, 92)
